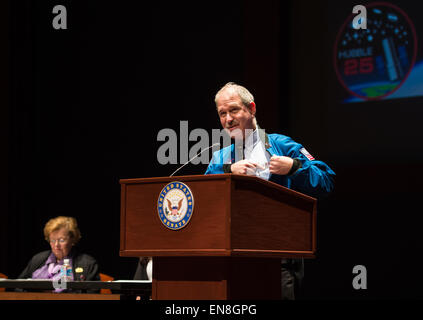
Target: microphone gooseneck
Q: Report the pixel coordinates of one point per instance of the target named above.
(197, 155)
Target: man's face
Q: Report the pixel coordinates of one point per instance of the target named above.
(234, 114)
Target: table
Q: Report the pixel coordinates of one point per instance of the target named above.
(42, 289)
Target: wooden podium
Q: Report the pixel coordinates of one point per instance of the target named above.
(231, 248)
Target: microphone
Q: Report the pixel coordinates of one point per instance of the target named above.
(197, 155)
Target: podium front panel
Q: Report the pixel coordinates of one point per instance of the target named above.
(207, 232)
(283, 222)
(232, 216)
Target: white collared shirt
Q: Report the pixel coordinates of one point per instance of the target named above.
(255, 151)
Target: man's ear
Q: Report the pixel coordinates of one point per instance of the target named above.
(252, 108)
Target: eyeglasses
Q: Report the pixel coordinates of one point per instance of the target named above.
(61, 241)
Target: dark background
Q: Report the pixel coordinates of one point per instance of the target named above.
(81, 108)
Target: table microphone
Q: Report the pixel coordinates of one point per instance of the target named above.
(197, 155)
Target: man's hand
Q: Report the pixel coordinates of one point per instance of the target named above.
(244, 167)
(280, 165)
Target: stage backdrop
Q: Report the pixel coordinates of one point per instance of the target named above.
(83, 107)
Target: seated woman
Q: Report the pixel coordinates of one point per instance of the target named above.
(62, 233)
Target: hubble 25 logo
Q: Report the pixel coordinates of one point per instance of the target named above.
(375, 50)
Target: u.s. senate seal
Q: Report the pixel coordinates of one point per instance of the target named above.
(175, 205)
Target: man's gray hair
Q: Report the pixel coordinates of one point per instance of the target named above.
(244, 94)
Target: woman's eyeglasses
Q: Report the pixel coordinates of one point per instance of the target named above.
(61, 241)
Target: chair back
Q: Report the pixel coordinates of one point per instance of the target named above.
(2, 275)
(105, 278)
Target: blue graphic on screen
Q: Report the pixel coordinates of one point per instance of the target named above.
(379, 62)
